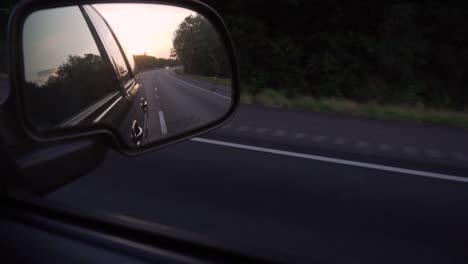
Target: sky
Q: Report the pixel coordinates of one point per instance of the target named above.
(144, 27)
(50, 36)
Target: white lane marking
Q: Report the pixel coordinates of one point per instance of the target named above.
(335, 160)
(163, 123)
(220, 95)
(107, 110)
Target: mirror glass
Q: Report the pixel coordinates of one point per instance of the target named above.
(149, 71)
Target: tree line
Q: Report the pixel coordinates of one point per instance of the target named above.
(387, 51)
(197, 45)
(147, 62)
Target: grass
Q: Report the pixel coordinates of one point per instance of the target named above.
(214, 80)
(273, 98)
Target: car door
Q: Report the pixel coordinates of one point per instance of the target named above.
(129, 110)
(65, 66)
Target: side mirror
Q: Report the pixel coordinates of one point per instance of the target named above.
(145, 74)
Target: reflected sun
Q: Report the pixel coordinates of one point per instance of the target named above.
(144, 28)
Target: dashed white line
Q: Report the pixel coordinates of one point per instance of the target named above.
(335, 160)
(162, 121)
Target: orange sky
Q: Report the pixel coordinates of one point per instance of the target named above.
(144, 27)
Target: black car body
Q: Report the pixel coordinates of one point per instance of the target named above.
(107, 90)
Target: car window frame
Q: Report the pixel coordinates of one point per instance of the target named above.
(125, 85)
(106, 64)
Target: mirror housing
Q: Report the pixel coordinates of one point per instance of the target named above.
(17, 77)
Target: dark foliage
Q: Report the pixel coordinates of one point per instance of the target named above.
(78, 83)
(405, 52)
(147, 62)
(198, 46)
(388, 51)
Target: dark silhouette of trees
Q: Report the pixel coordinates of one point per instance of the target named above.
(147, 62)
(198, 46)
(389, 51)
(78, 83)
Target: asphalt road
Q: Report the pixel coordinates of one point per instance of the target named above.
(319, 187)
(177, 104)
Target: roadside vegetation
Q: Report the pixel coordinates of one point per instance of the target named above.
(418, 113)
(405, 60)
(209, 79)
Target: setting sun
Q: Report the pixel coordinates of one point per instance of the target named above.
(144, 28)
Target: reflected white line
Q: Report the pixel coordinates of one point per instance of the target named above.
(205, 90)
(334, 160)
(163, 123)
(107, 110)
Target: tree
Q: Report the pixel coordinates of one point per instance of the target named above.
(78, 83)
(146, 62)
(199, 48)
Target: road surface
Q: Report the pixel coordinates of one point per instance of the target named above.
(321, 187)
(177, 104)
(386, 192)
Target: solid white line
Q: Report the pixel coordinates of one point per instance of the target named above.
(220, 95)
(163, 123)
(107, 110)
(334, 160)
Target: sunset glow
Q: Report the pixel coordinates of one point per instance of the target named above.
(144, 28)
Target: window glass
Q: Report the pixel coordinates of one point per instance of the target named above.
(63, 70)
(111, 45)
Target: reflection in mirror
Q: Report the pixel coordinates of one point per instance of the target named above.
(149, 71)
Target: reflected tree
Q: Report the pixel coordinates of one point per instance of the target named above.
(77, 84)
(198, 46)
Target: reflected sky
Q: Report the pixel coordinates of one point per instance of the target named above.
(144, 27)
(50, 36)
(47, 42)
